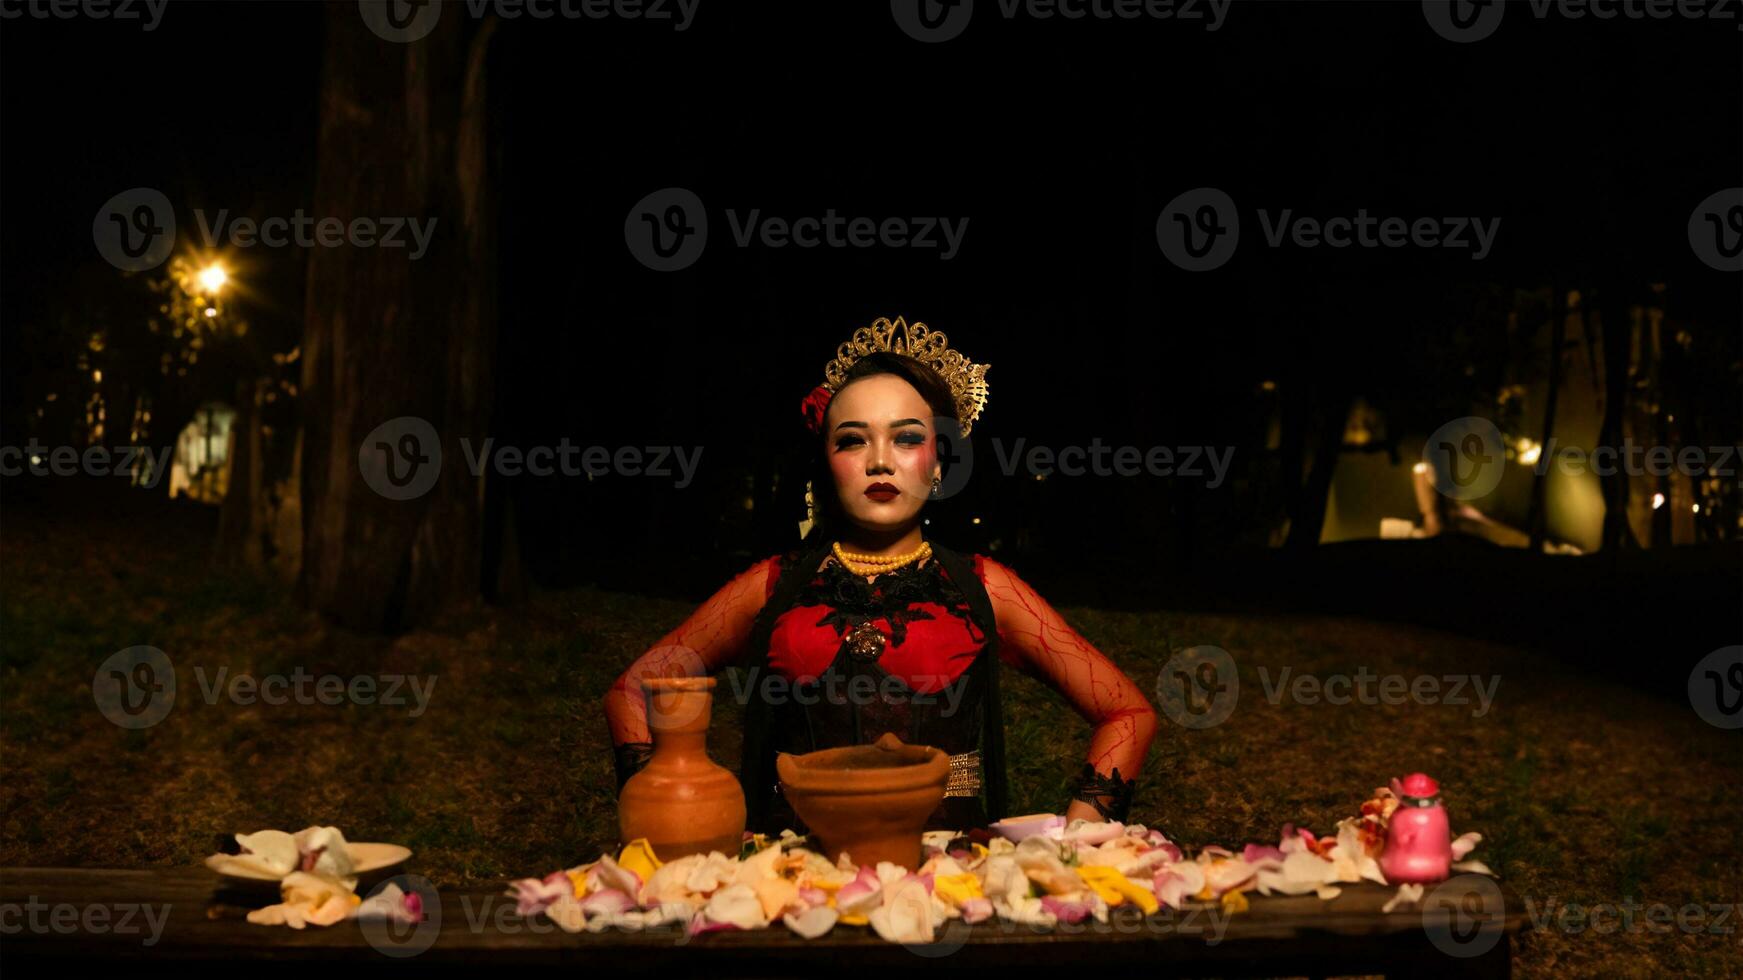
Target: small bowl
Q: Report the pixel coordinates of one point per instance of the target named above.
(371, 863)
(870, 802)
(1018, 829)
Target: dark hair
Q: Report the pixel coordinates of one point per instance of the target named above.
(922, 377)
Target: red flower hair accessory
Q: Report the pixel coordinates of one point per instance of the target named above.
(814, 406)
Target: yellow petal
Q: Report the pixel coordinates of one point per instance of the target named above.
(1234, 902)
(956, 889)
(854, 920)
(638, 856)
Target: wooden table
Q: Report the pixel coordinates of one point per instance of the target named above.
(56, 920)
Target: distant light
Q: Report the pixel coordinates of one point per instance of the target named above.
(975, 521)
(1658, 501)
(213, 277)
(36, 460)
(211, 311)
(97, 376)
(1267, 386)
(1419, 468)
(925, 520)
(1529, 451)
(1697, 508)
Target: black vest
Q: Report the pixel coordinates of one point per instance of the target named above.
(757, 768)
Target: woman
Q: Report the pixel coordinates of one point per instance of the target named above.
(868, 628)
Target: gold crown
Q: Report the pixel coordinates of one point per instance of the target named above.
(967, 380)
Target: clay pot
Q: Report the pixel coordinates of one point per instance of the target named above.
(681, 801)
(870, 801)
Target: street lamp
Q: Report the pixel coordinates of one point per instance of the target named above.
(212, 278)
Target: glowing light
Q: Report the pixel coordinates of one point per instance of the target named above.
(1528, 451)
(1657, 501)
(975, 520)
(97, 376)
(212, 278)
(1419, 468)
(211, 311)
(1697, 508)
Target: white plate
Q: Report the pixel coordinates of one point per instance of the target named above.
(366, 858)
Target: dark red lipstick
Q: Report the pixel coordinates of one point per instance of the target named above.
(883, 493)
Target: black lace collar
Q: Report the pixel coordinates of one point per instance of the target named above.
(851, 600)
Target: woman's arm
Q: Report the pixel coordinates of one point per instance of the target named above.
(1035, 639)
(706, 642)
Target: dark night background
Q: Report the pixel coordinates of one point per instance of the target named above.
(1060, 142)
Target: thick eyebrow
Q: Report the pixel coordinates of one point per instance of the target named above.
(897, 424)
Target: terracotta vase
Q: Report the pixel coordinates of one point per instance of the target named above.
(681, 801)
(869, 801)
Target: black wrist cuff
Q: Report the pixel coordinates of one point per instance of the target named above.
(1110, 795)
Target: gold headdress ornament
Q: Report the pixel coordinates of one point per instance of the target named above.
(967, 380)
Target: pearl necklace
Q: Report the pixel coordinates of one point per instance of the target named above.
(878, 564)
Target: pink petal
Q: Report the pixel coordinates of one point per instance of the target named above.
(607, 902)
(976, 910)
(1066, 912)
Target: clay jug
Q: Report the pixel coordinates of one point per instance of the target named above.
(681, 801)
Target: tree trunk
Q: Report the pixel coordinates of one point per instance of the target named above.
(1537, 521)
(1618, 379)
(388, 336)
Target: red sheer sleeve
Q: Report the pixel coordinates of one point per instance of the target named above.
(1035, 639)
(703, 644)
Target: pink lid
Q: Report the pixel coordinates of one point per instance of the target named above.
(1419, 784)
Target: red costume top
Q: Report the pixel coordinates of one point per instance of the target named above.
(921, 672)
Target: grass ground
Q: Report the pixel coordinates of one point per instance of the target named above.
(1588, 791)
